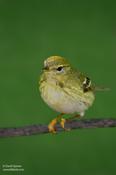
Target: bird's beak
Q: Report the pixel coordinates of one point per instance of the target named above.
(45, 68)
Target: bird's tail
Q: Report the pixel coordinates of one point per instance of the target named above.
(100, 88)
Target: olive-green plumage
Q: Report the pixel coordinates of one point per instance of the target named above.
(65, 89)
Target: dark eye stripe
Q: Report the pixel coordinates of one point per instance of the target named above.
(59, 68)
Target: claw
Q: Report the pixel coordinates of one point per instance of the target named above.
(62, 123)
(51, 126)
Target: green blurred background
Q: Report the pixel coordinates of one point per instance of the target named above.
(85, 33)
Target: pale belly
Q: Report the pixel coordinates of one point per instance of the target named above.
(60, 101)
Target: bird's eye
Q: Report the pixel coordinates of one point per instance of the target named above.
(60, 68)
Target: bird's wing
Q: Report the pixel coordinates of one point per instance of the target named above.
(77, 81)
(87, 85)
(85, 82)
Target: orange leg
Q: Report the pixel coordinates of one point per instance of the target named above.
(51, 126)
(62, 123)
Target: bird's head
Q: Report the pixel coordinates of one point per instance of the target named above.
(56, 66)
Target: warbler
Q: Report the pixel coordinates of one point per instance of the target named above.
(65, 89)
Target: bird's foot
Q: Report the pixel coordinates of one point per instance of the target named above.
(51, 126)
(62, 123)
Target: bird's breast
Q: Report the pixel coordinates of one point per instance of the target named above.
(61, 101)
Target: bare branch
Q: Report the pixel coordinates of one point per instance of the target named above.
(42, 129)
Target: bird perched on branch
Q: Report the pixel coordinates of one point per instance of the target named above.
(65, 89)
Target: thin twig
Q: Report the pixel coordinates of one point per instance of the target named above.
(42, 129)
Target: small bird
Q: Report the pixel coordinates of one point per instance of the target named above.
(65, 89)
